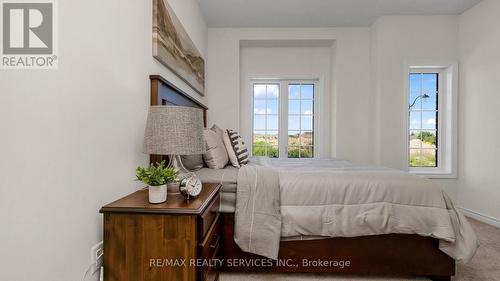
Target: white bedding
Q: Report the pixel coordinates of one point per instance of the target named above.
(333, 198)
(378, 198)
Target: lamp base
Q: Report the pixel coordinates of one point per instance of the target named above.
(176, 162)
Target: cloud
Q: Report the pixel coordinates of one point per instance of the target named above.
(430, 121)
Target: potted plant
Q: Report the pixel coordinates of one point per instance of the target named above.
(157, 177)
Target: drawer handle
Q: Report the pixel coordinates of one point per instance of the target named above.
(214, 245)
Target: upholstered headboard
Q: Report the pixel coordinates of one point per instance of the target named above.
(165, 93)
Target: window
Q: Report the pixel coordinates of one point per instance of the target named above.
(432, 111)
(423, 109)
(300, 120)
(284, 110)
(266, 115)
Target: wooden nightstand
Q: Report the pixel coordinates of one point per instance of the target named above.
(167, 241)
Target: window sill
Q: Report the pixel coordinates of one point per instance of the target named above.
(433, 174)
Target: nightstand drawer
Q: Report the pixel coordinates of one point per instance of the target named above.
(208, 217)
(212, 240)
(209, 251)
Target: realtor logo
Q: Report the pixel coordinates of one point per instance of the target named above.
(28, 35)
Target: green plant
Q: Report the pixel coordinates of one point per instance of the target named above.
(293, 153)
(305, 152)
(427, 137)
(261, 148)
(156, 175)
(422, 160)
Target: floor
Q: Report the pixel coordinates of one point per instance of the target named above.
(485, 266)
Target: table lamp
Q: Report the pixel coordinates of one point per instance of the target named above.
(174, 131)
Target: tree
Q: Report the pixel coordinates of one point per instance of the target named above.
(427, 137)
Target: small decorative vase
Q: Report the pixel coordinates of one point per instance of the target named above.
(157, 194)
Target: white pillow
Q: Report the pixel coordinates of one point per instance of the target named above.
(216, 156)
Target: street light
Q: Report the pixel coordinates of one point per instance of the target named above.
(424, 96)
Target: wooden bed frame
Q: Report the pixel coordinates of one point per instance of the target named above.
(378, 255)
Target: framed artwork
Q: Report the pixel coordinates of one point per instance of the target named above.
(173, 47)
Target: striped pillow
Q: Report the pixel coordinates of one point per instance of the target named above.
(238, 146)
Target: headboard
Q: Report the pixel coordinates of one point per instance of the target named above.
(165, 93)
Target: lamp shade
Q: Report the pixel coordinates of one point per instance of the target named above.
(174, 130)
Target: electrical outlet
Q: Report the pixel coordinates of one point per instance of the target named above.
(96, 255)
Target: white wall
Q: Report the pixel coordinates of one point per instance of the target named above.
(289, 63)
(398, 42)
(471, 39)
(479, 180)
(368, 111)
(368, 116)
(71, 138)
(350, 100)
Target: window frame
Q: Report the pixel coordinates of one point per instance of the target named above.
(266, 114)
(300, 115)
(283, 112)
(446, 124)
(440, 96)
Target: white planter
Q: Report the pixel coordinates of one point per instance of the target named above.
(157, 194)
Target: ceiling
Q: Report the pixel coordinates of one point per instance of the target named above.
(320, 13)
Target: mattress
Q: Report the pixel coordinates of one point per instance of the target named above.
(228, 178)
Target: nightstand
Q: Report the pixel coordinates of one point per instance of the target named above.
(175, 240)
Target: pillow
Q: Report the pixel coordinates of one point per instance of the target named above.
(230, 151)
(238, 147)
(192, 162)
(216, 156)
(218, 130)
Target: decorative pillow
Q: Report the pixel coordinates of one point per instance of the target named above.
(230, 151)
(192, 162)
(238, 146)
(216, 156)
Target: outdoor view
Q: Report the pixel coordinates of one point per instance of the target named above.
(300, 120)
(423, 117)
(300, 101)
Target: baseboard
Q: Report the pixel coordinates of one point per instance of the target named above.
(481, 217)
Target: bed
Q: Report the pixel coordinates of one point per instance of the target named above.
(406, 253)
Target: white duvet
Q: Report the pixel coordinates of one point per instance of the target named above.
(334, 198)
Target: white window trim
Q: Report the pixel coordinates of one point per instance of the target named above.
(283, 111)
(447, 121)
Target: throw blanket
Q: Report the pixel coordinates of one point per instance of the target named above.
(257, 216)
(293, 199)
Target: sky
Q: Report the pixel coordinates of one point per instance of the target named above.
(423, 115)
(300, 108)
